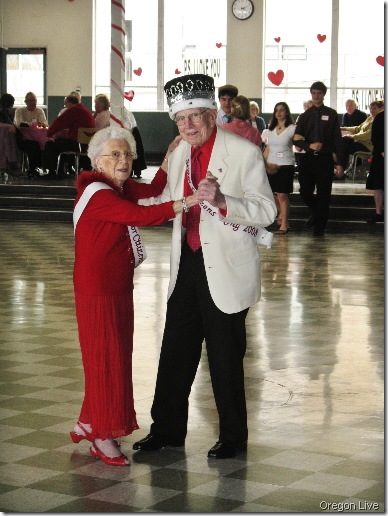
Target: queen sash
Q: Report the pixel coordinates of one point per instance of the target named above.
(138, 248)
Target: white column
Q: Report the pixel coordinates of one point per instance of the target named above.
(117, 62)
(334, 53)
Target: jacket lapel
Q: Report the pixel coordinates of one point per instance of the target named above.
(220, 159)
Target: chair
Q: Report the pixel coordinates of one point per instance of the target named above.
(85, 134)
(25, 164)
(359, 155)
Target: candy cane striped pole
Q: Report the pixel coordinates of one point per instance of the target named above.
(117, 62)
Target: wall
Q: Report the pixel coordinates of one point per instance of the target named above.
(244, 54)
(65, 28)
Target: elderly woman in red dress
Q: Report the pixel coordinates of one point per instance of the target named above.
(107, 249)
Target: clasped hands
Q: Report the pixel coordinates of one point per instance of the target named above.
(209, 190)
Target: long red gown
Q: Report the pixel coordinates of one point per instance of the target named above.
(103, 286)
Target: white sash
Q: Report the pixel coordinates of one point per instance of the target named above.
(260, 235)
(138, 248)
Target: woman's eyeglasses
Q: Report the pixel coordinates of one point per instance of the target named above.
(116, 155)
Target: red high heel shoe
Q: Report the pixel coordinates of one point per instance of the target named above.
(76, 437)
(110, 461)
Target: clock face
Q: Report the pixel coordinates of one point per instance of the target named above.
(242, 9)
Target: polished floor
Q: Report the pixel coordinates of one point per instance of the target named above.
(314, 382)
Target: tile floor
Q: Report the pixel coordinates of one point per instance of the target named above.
(314, 380)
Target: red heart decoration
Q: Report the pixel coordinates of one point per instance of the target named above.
(277, 40)
(138, 71)
(380, 60)
(129, 96)
(177, 72)
(218, 45)
(276, 78)
(321, 38)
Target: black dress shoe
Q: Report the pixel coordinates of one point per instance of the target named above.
(226, 450)
(154, 442)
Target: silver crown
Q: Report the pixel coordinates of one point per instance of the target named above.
(189, 87)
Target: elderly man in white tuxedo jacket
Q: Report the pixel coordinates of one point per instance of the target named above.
(215, 267)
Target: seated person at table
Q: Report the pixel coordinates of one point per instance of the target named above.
(8, 150)
(353, 116)
(6, 115)
(101, 111)
(75, 116)
(359, 138)
(31, 113)
(24, 117)
(71, 94)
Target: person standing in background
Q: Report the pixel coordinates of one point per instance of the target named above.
(225, 96)
(318, 133)
(280, 162)
(256, 120)
(375, 179)
(240, 121)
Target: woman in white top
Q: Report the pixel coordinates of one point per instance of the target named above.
(101, 113)
(280, 161)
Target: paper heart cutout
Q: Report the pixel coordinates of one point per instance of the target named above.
(277, 40)
(276, 78)
(177, 72)
(321, 38)
(380, 60)
(129, 96)
(138, 71)
(218, 45)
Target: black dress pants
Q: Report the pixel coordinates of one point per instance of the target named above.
(192, 317)
(316, 172)
(32, 149)
(52, 149)
(350, 147)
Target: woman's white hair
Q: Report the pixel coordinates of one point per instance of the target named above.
(110, 133)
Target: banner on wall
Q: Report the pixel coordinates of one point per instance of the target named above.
(214, 67)
(364, 96)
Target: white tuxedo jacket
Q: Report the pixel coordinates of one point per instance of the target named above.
(229, 247)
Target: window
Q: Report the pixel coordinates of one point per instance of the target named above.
(187, 42)
(304, 52)
(25, 70)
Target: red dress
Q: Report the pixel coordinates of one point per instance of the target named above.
(103, 286)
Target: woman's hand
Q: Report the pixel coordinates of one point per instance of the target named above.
(185, 204)
(173, 145)
(272, 168)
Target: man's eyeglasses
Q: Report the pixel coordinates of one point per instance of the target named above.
(117, 155)
(193, 118)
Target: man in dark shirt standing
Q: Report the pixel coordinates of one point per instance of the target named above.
(318, 133)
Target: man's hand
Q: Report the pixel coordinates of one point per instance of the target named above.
(316, 146)
(339, 171)
(209, 190)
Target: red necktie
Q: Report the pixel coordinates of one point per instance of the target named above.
(193, 215)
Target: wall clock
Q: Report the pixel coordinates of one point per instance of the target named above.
(242, 9)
